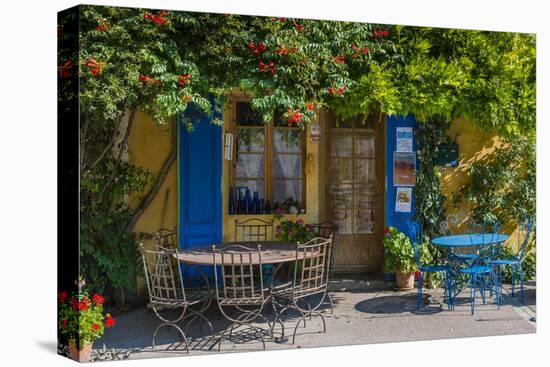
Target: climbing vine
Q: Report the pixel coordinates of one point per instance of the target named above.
(161, 62)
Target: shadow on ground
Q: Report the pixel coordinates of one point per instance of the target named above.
(397, 304)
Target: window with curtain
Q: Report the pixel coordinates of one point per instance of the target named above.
(270, 157)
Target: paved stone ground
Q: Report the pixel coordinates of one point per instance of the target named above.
(360, 317)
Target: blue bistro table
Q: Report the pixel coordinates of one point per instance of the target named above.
(449, 244)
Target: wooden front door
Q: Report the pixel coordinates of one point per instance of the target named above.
(354, 191)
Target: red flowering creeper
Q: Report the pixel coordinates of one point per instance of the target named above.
(310, 106)
(159, 19)
(281, 50)
(95, 67)
(266, 68)
(256, 49)
(64, 70)
(339, 59)
(298, 27)
(148, 80)
(380, 33)
(358, 51)
(337, 91)
(187, 98)
(102, 26)
(294, 117)
(184, 79)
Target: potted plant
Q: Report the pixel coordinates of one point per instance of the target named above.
(82, 321)
(295, 231)
(399, 258)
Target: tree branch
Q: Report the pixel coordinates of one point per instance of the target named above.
(123, 145)
(158, 182)
(109, 146)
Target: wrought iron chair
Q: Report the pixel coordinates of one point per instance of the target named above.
(481, 274)
(240, 288)
(253, 229)
(450, 227)
(515, 261)
(198, 287)
(166, 238)
(327, 230)
(167, 293)
(310, 279)
(416, 241)
(256, 229)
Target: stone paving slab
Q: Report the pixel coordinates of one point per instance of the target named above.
(359, 318)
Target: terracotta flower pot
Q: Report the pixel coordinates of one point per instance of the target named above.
(82, 355)
(404, 281)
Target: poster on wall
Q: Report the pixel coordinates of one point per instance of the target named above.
(404, 139)
(404, 168)
(403, 199)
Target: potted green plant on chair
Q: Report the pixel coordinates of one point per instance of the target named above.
(399, 258)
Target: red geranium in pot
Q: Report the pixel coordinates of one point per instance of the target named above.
(81, 319)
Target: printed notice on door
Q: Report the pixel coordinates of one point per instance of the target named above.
(404, 139)
(403, 199)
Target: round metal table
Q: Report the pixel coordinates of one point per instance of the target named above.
(272, 252)
(467, 240)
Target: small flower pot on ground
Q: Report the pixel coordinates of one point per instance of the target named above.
(404, 281)
(82, 355)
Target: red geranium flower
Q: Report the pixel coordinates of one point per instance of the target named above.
(110, 321)
(95, 327)
(82, 305)
(98, 299)
(74, 303)
(63, 296)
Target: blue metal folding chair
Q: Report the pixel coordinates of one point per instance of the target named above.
(415, 237)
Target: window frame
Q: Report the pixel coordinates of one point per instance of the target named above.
(269, 137)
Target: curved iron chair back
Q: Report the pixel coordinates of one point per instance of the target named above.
(327, 229)
(164, 280)
(527, 227)
(166, 238)
(253, 229)
(450, 225)
(238, 277)
(311, 268)
(415, 236)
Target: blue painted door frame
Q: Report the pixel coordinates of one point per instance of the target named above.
(393, 218)
(200, 173)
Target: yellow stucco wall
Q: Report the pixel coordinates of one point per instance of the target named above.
(473, 145)
(149, 146)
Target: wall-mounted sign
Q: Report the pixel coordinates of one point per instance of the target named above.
(315, 133)
(228, 148)
(404, 168)
(404, 139)
(403, 199)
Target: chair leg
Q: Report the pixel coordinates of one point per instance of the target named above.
(473, 285)
(419, 291)
(513, 280)
(521, 296)
(483, 287)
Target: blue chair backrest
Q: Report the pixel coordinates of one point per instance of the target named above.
(526, 227)
(415, 238)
